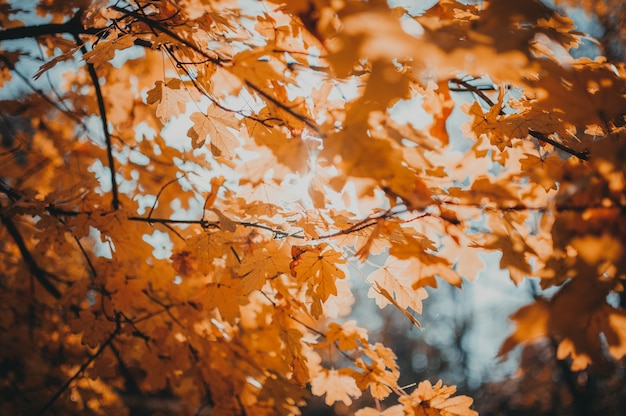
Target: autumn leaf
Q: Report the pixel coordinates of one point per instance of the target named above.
(532, 325)
(264, 264)
(336, 386)
(94, 328)
(319, 270)
(347, 335)
(104, 51)
(170, 98)
(396, 410)
(214, 125)
(435, 400)
(225, 296)
(329, 154)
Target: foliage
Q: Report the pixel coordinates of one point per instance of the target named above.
(187, 189)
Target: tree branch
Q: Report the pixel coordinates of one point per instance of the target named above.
(584, 155)
(115, 203)
(73, 26)
(284, 107)
(537, 135)
(38, 272)
(82, 368)
(217, 61)
(162, 28)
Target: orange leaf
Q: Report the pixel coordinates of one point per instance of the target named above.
(170, 98)
(336, 386)
(319, 269)
(215, 125)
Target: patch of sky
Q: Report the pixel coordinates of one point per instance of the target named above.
(194, 211)
(413, 8)
(253, 7)
(128, 186)
(102, 249)
(102, 175)
(411, 111)
(122, 56)
(144, 202)
(161, 244)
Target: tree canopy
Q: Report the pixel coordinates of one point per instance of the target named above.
(188, 189)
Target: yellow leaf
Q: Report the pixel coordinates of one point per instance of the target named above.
(397, 410)
(532, 325)
(348, 335)
(393, 301)
(394, 282)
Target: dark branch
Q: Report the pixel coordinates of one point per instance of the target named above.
(478, 91)
(161, 28)
(543, 138)
(537, 135)
(82, 368)
(284, 107)
(40, 274)
(115, 203)
(73, 26)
